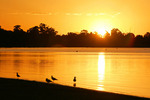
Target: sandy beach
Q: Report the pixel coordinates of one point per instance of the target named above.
(24, 90)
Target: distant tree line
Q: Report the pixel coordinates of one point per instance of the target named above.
(44, 36)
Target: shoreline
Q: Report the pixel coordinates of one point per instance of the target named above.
(24, 89)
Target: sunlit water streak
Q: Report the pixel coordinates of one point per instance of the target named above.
(101, 70)
(121, 70)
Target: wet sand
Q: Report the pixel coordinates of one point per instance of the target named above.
(31, 90)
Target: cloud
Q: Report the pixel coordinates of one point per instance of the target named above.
(116, 14)
(95, 14)
(67, 14)
(89, 14)
(32, 13)
(49, 13)
(56, 13)
(74, 14)
(27, 13)
(77, 14)
(102, 14)
(14, 13)
(85, 14)
(99, 14)
(41, 14)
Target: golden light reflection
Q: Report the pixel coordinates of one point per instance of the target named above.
(101, 70)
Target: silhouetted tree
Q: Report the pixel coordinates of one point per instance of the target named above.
(116, 35)
(147, 35)
(18, 37)
(17, 28)
(147, 39)
(45, 36)
(107, 35)
(139, 41)
(129, 39)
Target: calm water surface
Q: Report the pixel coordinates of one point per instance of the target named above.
(119, 70)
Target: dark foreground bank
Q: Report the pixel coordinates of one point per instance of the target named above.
(30, 90)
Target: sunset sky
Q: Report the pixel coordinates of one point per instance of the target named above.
(75, 15)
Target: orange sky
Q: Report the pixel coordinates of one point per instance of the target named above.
(75, 15)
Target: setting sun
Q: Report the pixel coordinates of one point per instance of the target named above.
(101, 31)
(101, 27)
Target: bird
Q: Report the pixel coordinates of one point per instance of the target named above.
(53, 78)
(48, 80)
(74, 79)
(17, 74)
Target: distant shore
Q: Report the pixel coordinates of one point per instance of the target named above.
(24, 90)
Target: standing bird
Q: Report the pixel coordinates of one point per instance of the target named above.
(17, 74)
(74, 79)
(53, 78)
(48, 80)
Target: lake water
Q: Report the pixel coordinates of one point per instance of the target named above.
(119, 70)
